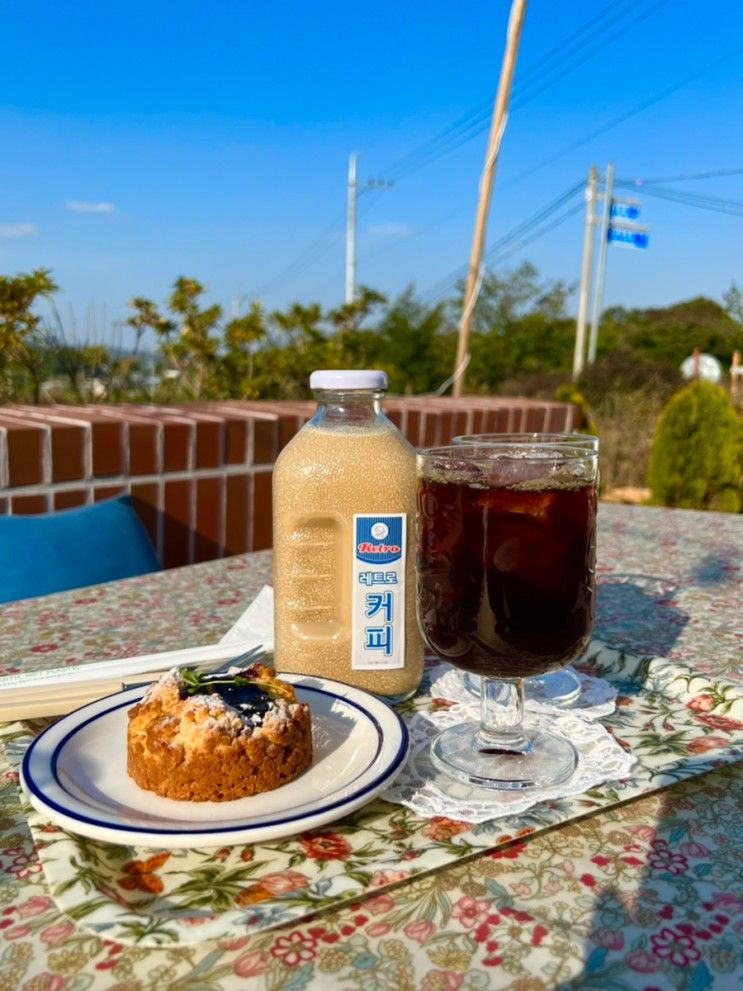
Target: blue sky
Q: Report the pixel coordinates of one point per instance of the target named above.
(146, 141)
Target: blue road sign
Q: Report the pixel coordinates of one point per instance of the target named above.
(627, 237)
(624, 209)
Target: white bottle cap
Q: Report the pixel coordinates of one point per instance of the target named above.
(339, 379)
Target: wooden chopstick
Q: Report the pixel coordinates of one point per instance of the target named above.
(59, 702)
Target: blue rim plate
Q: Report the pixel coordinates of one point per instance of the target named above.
(74, 773)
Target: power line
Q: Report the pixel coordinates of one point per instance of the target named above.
(713, 203)
(536, 78)
(473, 123)
(643, 105)
(684, 177)
(470, 124)
(506, 240)
(603, 43)
(557, 222)
(306, 257)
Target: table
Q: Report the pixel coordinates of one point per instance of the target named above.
(643, 895)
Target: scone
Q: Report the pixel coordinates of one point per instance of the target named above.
(213, 738)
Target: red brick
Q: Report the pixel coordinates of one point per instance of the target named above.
(207, 544)
(429, 427)
(29, 505)
(262, 535)
(444, 427)
(68, 452)
(500, 422)
(25, 451)
(289, 424)
(209, 444)
(473, 424)
(70, 499)
(236, 438)
(395, 415)
(558, 419)
(237, 510)
(145, 501)
(143, 453)
(103, 492)
(535, 419)
(108, 449)
(265, 441)
(179, 439)
(414, 427)
(108, 452)
(176, 524)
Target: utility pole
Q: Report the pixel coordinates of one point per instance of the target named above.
(351, 229)
(585, 275)
(354, 186)
(598, 298)
(497, 127)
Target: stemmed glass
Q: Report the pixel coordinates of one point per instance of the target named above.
(558, 688)
(506, 590)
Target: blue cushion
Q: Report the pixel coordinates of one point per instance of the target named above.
(76, 547)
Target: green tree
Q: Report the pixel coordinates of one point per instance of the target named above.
(506, 297)
(351, 345)
(416, 345)
(697, 455)
(23, 342)
(241, 337)
(670, 334)
(193, 353)
(520, 327)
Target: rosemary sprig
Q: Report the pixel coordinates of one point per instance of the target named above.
(196, 681)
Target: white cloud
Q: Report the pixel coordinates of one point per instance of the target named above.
(17, 230)
(84, 206)
(390, 230)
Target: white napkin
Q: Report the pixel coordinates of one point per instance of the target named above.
(255, 626)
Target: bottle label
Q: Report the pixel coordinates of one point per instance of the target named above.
(378, 634)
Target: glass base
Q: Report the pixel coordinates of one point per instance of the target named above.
(545, 760)
(559, 688)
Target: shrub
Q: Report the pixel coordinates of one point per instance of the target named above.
(697, 455)
(624, 371)
(568, 393)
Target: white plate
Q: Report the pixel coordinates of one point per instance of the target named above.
(75, 773)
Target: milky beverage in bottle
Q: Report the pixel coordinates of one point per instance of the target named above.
(343, 532)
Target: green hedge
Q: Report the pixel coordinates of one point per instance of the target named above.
(697, 457)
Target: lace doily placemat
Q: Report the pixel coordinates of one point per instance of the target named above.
(597, 697)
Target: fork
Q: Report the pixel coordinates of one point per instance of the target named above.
(252, 656)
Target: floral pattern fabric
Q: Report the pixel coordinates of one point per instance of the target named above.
(643, 894)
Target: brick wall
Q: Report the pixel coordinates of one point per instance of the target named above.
(200, 473)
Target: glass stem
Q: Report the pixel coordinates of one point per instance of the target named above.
(501, 717)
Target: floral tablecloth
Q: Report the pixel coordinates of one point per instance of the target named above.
(646, 894)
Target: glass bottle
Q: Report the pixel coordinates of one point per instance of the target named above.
(343, 537)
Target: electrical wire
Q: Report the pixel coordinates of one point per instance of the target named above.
(476, 121)
(684, 177)
(305, 259)
(535, 90)
(536, 79)
(643, 105)
(713, 203)
(499, 246)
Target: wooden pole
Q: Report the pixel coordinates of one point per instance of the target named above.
(497, 127)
